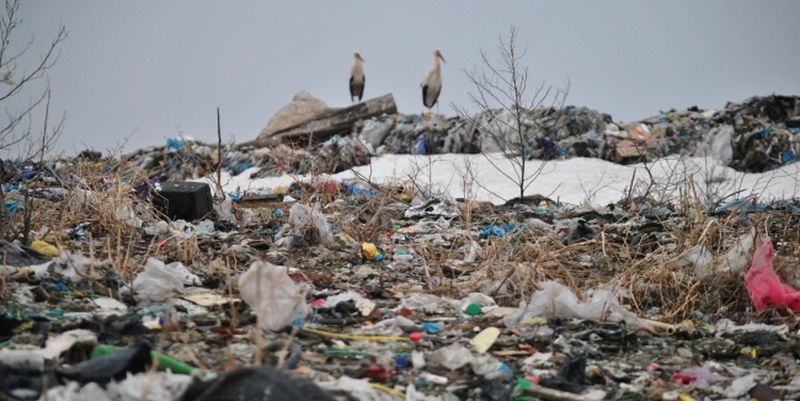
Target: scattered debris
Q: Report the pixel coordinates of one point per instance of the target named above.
(387, 291)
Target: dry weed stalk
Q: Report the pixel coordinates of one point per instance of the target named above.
(371, 218)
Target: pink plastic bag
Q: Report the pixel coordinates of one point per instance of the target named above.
(765, 287)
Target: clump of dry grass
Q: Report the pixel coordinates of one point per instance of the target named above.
(371, 220)
(511, 267)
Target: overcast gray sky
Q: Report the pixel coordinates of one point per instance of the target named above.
(147, 70)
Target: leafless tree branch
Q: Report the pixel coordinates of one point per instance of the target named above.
(503, 87)
(15, 83)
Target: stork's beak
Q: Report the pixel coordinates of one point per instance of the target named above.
(439, 54)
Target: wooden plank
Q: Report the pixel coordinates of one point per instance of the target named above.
(329, 123)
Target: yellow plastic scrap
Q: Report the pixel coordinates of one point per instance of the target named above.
(685, 397)
(23, 272)
(484, 340)
(749, 351)
(56, 236)
(280, 190)
(388, 390)
(23, 327)
(368, 251)
(45, 248)
(356, 337)
(535, 321)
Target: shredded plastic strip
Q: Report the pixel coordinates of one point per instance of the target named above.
(365, 337)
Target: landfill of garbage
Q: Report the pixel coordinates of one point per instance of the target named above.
(126, 278)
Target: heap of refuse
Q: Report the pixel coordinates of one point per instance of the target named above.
(385, 294)
(757, 135)
(134, 285)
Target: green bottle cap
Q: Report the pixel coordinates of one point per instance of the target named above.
(473, 310)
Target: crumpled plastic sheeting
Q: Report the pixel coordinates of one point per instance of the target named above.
(155, 386)
(765, 287)
(18, 255)
(557, 300)
(412, 394)
(182, 272)
(275, 297)
(373, 132)
(58, 344)
(428, 303)
(302, 216)
(338, 154)
(697, 256)
(74, 267)
(727, 326)
(452, 357)
(75, 392)
(703, 376)
(357, 389)
(156, 284)
(717, 144)
(734, 261)
(432, 207)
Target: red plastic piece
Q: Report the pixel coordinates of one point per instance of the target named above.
(683, 378)
(377, 373)
(404, 312)
(765, 287)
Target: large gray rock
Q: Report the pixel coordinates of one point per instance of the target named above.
(304, 107)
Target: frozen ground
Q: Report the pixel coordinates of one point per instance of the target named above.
(573, 181)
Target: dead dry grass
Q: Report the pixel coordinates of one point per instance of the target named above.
(508, 268)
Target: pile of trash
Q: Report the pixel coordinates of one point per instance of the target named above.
(132, 284)
(760, 134)
(185, 158)
(386, 294)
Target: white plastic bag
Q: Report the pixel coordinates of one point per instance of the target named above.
(273, 295)
(302, 216)
(452, 357)
(557, 300)
(156, 284)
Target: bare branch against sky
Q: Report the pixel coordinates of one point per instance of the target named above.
(150, 70)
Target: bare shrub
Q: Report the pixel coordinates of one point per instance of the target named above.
(513, 118)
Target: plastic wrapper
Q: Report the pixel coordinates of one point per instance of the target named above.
(276, 299)
(452, 357)
(301, 217)
(557, 300)
(156, 284)
(765, 287)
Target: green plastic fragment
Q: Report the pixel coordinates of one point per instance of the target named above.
(164, 362)
(524, 384)
(473, 309)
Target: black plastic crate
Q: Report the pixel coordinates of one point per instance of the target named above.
(184, 200)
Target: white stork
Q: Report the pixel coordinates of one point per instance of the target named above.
(357, 78)
(432, 85)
